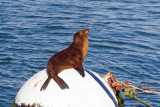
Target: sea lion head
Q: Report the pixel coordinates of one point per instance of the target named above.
(81, 40)
(81, 35)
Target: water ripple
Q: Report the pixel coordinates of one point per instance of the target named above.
(124, 39)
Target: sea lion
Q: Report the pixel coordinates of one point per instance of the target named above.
(71, 57)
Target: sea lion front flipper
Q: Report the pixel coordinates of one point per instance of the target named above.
(80, 70)
(45, 84)
(62, 84)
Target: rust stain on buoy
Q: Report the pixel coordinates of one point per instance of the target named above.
(38, 82)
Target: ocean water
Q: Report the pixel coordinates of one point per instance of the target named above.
(124, 40)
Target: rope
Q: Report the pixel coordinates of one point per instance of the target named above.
(142, 101)
(147, 88)
(129, 92)
(147, 92)
(129, 89)
(154, 87)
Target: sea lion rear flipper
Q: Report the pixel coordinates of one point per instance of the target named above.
(44, 86)
(80, 70)
(62, 84)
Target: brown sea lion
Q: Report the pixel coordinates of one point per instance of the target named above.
(71, 57)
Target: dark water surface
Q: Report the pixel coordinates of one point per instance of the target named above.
(124, 39)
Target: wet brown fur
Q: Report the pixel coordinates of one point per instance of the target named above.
(71, 57)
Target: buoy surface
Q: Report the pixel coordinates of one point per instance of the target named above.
(90, 91)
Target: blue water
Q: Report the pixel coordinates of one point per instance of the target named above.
(124, 39)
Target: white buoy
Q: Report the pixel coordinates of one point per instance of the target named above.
(90, 91)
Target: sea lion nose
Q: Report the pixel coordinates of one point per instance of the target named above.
(87, 31)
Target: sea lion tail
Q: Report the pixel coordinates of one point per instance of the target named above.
(62, 84)
(44, 86)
